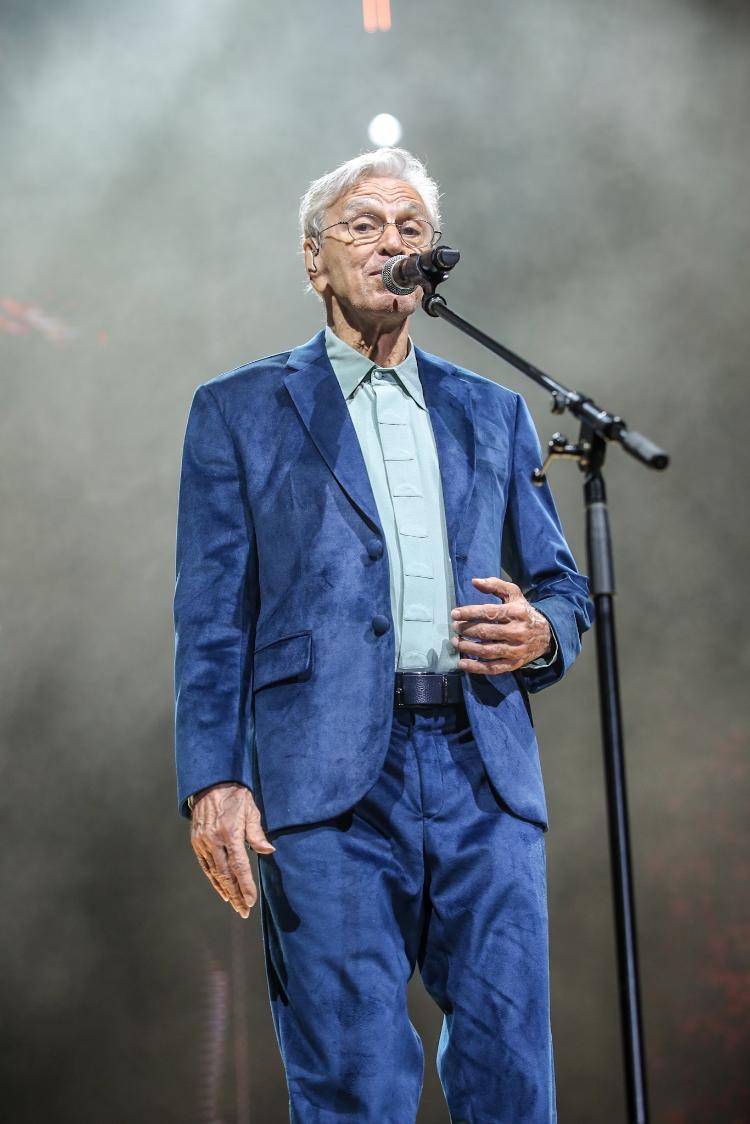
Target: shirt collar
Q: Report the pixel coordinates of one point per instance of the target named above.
(351, 367)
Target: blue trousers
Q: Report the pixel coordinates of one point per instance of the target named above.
(427, 869)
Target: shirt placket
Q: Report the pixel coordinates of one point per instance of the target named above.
(407, 497)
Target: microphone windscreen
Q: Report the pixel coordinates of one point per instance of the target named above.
(389, 281)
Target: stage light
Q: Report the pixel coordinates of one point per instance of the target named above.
(376, 15)
(385, 130)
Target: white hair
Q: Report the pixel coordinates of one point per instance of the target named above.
(395, 163)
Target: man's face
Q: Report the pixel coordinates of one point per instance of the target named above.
(349, 273)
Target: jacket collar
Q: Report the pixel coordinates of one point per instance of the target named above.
(321, 405)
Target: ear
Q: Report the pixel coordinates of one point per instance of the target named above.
(311, 250)
(315, 273)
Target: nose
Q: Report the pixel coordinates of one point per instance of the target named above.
(390, 241)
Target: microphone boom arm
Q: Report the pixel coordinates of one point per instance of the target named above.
(597, 421)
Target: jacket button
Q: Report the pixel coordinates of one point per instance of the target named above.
(375, 548)
(380, 625)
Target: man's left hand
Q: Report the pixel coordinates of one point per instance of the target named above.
(499, 636)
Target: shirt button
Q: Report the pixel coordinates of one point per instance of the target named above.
(375, 548)
(380, 625)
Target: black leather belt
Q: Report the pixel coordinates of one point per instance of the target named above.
(428, 688)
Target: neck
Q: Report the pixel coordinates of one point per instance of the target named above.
(386, 344)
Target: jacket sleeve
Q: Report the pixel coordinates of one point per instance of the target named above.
(215, 608)
(536, 556)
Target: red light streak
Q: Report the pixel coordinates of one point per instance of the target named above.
(20, 318)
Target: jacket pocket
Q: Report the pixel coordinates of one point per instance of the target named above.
(289, 657)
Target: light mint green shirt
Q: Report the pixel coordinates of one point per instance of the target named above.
(393, 425)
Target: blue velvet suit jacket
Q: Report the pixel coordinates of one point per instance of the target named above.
(284, 638)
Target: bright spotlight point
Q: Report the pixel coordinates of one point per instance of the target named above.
(385, 130)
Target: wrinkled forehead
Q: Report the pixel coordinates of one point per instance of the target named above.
(380, 194)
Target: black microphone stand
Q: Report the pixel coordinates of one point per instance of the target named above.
(598, 427)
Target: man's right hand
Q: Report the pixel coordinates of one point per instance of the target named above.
(225, 817)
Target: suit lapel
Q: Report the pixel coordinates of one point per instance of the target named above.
(317, 396)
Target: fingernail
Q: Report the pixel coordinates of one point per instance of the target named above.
(455, 613)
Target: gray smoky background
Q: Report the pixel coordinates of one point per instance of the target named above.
(595, 170)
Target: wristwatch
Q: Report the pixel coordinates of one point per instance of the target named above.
(190, 801)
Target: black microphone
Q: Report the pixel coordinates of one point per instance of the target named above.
(402, 274)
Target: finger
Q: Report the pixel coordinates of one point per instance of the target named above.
(227, 879)
(487, 611)
(202, 851)
(509, 632)
(507, 590)
(493, 667)
(243, 874)
(484, 651)
(208, 863)
(256, 836)
(212, 879)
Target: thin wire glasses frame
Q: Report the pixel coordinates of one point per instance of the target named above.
(376, 227)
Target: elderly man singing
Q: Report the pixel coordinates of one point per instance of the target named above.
(353, 675)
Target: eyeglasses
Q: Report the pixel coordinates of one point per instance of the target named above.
(369, 228)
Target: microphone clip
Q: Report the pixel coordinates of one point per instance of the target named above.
(442, 261)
